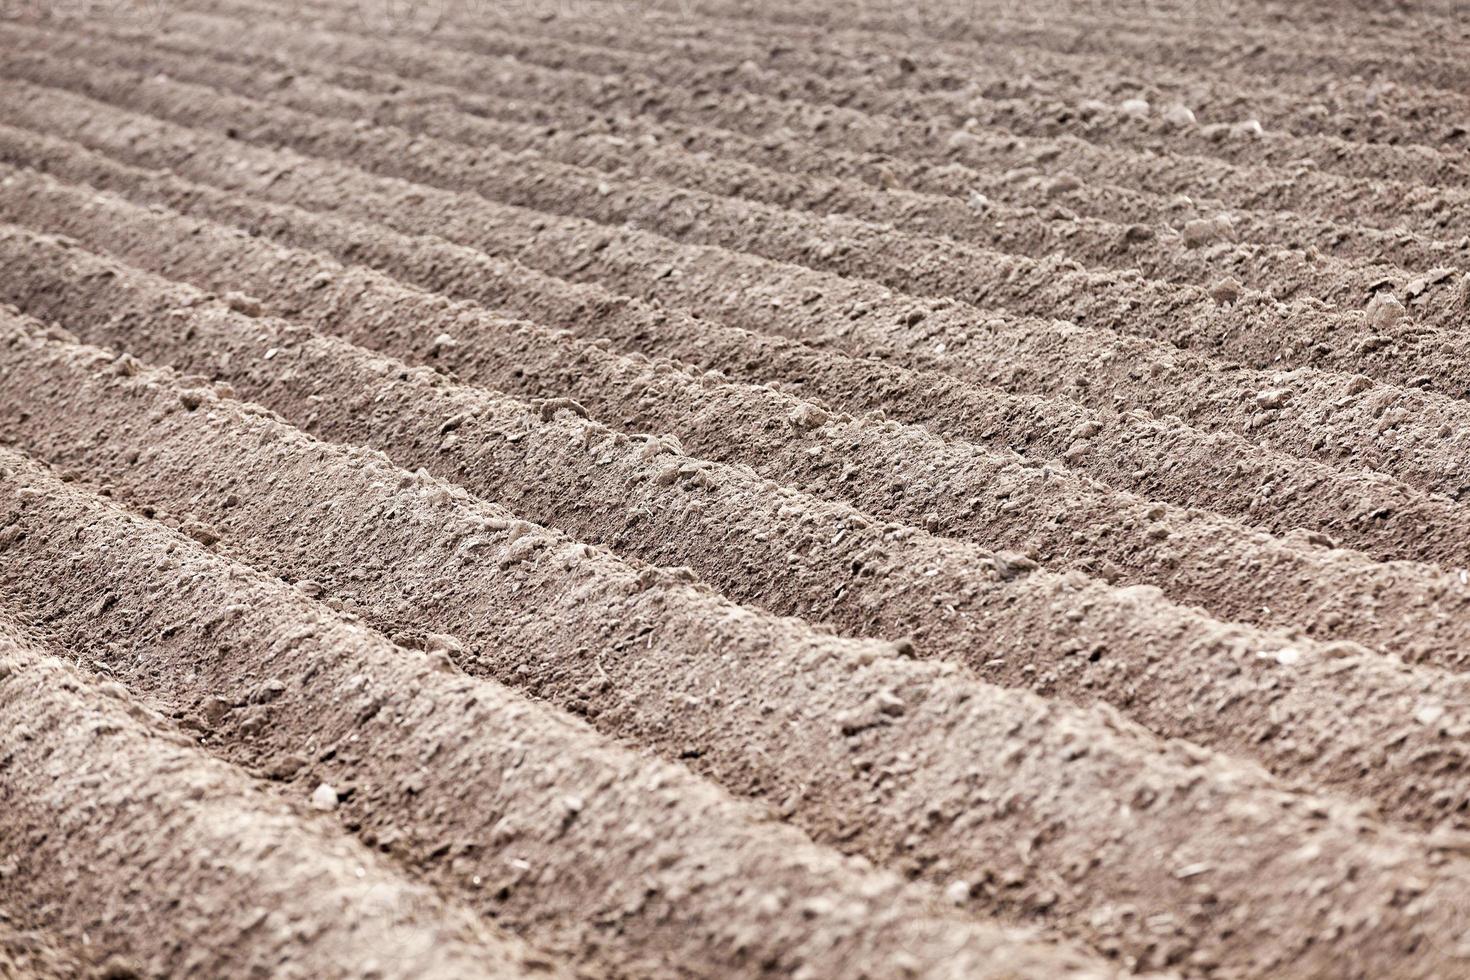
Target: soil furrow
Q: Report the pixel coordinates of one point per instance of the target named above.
(1433, 210)
(1011, 168)
(1267, 54)
(1160, 459)
(158, 859)
(636, 867)
(1380, 122)
(995, 499)
(1300, 121)
(1014, 89)
(1412, 435)
(614, 144)
(687, 488)
(788, 551)
(955, 22)
(665, 662)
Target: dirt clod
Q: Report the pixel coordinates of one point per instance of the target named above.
(1384, 310)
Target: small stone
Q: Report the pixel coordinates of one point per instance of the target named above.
(454, 422)
(1273, 397)
(191, 399)
(1207, 231)
(1009, 565)
(1179, 115)
(1135, 108)
(240, 303)
(808, 416)
(215, 709)
(1226, 292)
(202, 533)
(551, 406)
(269, 691)
(1429, 714)
(118, 967)
(957, 892)
(324, 798)
(1384, 310)
(961, 138)
(1064, 184)
(891, 704)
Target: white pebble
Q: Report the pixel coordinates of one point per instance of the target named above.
(1429, 714)
(324, 797)
(1137, 108)
(957, 892)
(1179, 114)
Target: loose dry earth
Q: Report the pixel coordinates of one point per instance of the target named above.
(686, 489)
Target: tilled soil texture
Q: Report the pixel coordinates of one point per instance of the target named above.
(685, 488)
(122, 834)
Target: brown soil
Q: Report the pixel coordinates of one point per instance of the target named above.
(630, 864)
(1156, 458)
(964, 769)
(1345, 419)
(760, 546)
(574, 134)
(1007, 164)
(122, 835)
(706, 489)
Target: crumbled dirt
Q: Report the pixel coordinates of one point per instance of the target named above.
(702, 489)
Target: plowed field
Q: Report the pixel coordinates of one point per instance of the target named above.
(685, 488)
